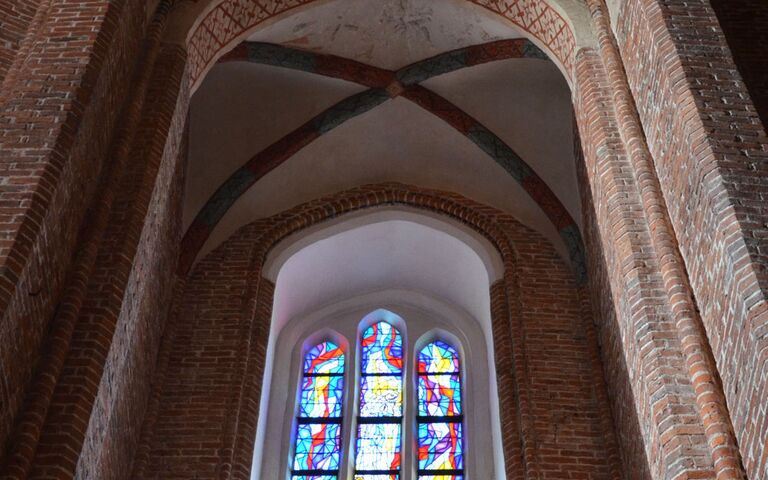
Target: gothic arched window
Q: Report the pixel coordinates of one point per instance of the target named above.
(317, 453)
(377, 454)
(439, 416)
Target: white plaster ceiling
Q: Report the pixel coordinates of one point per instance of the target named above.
(387, 33)
(241, 108)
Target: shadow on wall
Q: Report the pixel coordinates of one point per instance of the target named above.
(623, 402)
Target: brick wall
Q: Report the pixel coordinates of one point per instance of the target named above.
(624, 408)
(15, 18)
(744, 25)
(57, 123)
(60, 110)
(113, 347)
(208, 403)
(664, 399)
(711, 155)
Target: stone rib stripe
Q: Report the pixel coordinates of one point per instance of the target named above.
(384, 85)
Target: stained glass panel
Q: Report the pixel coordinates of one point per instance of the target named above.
(378, 447)
(318, 435)
(382, 349)
(438, 357)
(441, 477)
(439, 395)
(367, 476)
(440, 446)
(321, 397)
(325, 358)
(381, 396)
(317, 447)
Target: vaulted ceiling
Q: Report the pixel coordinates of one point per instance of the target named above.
(254, 101)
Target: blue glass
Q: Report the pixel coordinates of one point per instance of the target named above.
(439, 395)
(321, 397)
(325, 358)
(441, 477)
(438, 357)
(318, 447)
(440, 446)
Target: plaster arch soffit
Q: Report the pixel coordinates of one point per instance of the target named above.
(211, 28)
(291, 245)
(383, 85)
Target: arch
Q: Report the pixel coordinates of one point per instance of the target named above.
(509, 309)
(293, 244)
(211, 29)
(454, 206)
(384, 85)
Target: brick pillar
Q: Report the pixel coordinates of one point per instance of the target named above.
(665, 401)
(711, 155)
(249, 400)
(96, 408)
(59, 105)
(506, 382)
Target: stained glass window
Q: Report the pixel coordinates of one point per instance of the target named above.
(441, 441)
(317, 455)
(377, 453)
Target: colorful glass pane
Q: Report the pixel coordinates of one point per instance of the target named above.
(382, 349)
(368, 476)
(381, 396)
(439, 395)
(441, 477)
(321, 397)
(440, 446)
(438, 357)
(313, 477)
(324, 359)
(318, 447)
(378, 446)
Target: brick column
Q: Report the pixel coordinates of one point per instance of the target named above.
(506, 383)
(711, 156)
(665, 401)
(102, 389)
(59, 105)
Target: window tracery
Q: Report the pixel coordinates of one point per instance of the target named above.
(377, 450)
